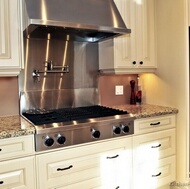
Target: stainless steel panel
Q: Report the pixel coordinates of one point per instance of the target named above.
(58, 90)
(84, 20)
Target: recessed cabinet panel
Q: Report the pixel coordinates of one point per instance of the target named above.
(17, 174)
(5, 29)
(10, 37)
(159, 145)
(16, 147)
(152, 176)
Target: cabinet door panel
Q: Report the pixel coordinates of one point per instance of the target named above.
(17, 174)
(134, 52)
(146, 34)
(159, 145)
(10, 37)
(16, 147)
(152, 177)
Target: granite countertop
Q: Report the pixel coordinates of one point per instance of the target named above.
(147, 110)
(14, 126)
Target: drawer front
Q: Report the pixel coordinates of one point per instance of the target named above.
(16, 147)
(154, 124)
(17, 174)
(160, 144)
(94, 183)
(57, 170)
(160, 174)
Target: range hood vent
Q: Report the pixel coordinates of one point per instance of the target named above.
(76, 20)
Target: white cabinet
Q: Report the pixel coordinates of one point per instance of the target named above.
(135, 52)
(154, 152)
(102, 165)
(10, 37)
(16, 147)
(18, 173)
(17, 163)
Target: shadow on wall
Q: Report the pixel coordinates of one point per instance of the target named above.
(9, 95)
(106, 87)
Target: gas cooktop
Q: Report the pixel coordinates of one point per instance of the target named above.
(40, 117)
(71, 126)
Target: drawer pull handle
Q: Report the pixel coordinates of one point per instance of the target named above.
(0, 149)
(157, 174)
(156, 146)
(117, 187)
(1, 182)
(66, 168)
(158, 123)
(113, 157)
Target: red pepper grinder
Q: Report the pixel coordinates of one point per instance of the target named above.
(132, 99)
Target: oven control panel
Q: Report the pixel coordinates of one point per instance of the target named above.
(83, 133)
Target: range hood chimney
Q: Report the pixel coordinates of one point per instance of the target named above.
(77, 20)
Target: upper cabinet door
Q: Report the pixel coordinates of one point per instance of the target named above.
(134, 52)
(10, 38)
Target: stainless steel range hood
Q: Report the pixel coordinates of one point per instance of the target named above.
(77, 20)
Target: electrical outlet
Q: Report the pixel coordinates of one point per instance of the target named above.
(119, 90)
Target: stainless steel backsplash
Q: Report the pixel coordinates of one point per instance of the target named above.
(79, 87)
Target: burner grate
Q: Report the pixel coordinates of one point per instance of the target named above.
(71, 114)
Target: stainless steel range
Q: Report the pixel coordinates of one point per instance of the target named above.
(70, 126)
(59, 85)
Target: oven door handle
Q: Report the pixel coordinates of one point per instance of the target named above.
(63, 169)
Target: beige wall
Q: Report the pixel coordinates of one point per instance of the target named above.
(107, 85)
(9, 96)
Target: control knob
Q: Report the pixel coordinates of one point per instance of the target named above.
(116, 130)
(61, 139)
(95, 133)
(49, 141)
(125, 128)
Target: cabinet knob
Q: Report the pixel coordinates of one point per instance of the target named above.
(134, 62)
(141, 62)
(1, 182)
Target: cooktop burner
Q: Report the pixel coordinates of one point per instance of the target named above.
(70, 114)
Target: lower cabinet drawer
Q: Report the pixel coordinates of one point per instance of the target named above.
(158, 123)
(154, 145)
(16, 147)
(153, 176)
(17, 174)
(87, 167)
